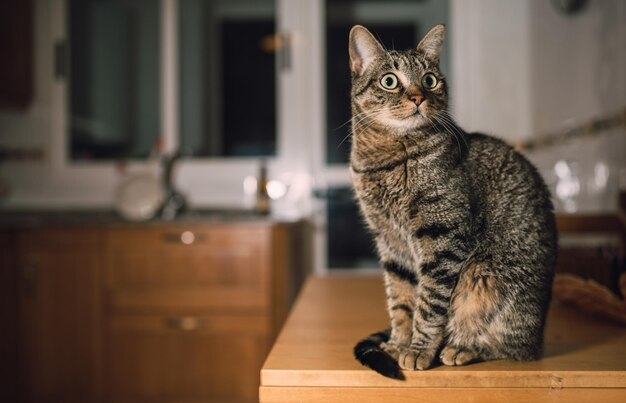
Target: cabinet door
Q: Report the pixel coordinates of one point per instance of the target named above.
(201, 358)
(8, 319)
(59, 315)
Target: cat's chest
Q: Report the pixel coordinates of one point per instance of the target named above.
(387, 194)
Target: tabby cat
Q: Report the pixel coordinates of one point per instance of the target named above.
(464, 225)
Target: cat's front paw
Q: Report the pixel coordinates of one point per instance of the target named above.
(412, 359)
(451, 355)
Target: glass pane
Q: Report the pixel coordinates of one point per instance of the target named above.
(398, 24)
(349, 242)
(114, 78)
(227, 77)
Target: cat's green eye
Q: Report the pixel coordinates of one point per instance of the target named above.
(389, 81)
(429, 81)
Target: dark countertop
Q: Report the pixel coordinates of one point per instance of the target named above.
(33, 218)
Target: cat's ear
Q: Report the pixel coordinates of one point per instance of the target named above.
(364, 48)
(432, 43)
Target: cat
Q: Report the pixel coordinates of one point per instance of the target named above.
(463, 224)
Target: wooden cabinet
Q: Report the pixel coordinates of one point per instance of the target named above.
(190, 310)
(59, 314)
(200, 358)
(9, 378)
(155, 312)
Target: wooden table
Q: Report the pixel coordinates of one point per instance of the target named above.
(585, 358)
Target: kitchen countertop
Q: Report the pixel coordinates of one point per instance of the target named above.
(34, 219)
(584, 360)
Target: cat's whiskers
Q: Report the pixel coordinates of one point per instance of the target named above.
(367, 114)
(447, 129)
(363, 117)
(372, 115)
(358, 115)
(445, 120)
(445, 126)
(376, 115)
(444, 115)
(369, 117)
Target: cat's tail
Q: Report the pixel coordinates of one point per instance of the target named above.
(369, 353)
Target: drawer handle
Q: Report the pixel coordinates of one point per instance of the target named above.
(186, 324)
(185, 237)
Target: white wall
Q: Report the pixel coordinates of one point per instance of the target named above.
(578, 75)
(578, 63)
(521, 68)
(491, 50)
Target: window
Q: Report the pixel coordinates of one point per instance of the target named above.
(114, 78)
(228, 78)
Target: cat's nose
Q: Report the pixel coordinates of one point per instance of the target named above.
(417, 99)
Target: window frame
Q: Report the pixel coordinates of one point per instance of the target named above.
(206, 181)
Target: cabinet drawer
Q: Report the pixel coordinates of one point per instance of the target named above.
(197, 265)
(192, 299)
(180, 324)
(171, 237)
(198, 358)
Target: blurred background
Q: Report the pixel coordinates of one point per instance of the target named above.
(139, 138)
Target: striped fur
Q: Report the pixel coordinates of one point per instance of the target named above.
(464, 224)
